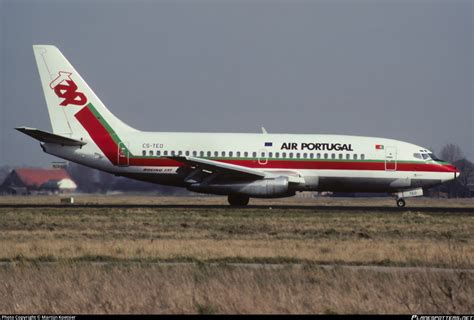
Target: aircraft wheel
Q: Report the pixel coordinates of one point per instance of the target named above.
(400, 203)
(237, 200)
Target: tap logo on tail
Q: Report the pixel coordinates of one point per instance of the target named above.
(66, 88)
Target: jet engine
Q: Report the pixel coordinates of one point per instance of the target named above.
(265, 188)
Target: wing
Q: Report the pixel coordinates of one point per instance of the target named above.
(212, 166)
(217, 168)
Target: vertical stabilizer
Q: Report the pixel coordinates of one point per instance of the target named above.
(66, 93)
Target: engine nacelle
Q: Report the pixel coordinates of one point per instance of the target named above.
(265, 188)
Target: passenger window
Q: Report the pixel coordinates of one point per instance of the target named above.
(172, 153)
(362, 156)
(201, 154)
(187, 153)
(311, 155)
(277, 155)
(283, 155)
(305, 155)
(325, 156)
(180, 152)
(209, 154)
(340, 156)
(246, 154)
(319, 156)
(270, 154)
(254, 154)
(216, 153)
(223, 153)
(291, 155)
(333, 156)
(150, 152)
(348, 157)
(238, 154)
(297, 156)
(355, 157)
(144, 152)
(263, 155)
(158, 153)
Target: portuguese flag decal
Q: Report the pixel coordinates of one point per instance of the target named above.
(379, 147)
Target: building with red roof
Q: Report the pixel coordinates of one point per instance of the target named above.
(37, 180)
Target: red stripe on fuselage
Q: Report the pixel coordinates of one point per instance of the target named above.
(307, 165)
(98, 133)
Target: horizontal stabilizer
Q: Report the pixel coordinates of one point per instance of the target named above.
(49, 137)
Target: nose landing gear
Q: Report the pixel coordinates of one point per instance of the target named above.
(400, 202)
(400, 196)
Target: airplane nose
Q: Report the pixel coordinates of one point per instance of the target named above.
(457, 173)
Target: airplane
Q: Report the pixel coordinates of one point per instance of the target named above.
(238, 165)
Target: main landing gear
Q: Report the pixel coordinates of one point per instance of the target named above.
(237, 200)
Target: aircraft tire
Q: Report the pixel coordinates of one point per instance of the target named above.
(401, 203)
(237, 200)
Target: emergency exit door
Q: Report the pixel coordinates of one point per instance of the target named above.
(262, 156)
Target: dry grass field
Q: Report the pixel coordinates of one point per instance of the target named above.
(132, 259)
(85, 288)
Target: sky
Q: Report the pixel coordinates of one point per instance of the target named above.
(393, 69)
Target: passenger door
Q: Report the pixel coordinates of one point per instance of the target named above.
(390, 158)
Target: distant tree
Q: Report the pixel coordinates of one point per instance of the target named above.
(4, 171)
(85, 177)
(459, 187)
(451, 153)
(105, 180)
(461, 184)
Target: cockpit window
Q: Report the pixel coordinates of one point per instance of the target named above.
(417, 155)
(425, 156)
(435, 158)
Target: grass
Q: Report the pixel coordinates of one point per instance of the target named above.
(227, 234)
(206, 289)
(105, 260)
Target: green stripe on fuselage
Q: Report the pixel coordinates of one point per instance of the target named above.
(290, 159)
(109, 129)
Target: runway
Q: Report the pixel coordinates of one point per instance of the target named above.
(376, 268)
(469, 210)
